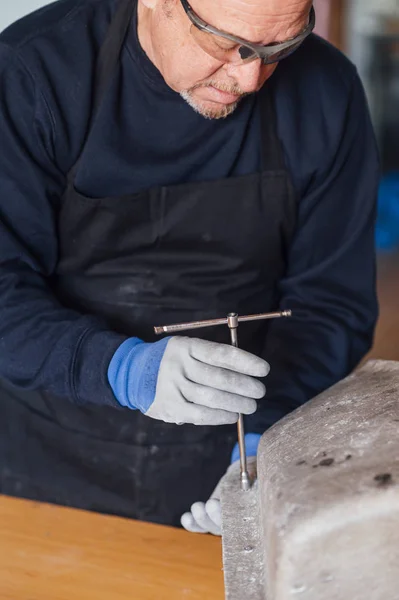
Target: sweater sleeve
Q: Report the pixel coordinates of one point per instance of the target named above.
(330, 281)
(42, 343)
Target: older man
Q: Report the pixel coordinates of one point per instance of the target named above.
(162, 162)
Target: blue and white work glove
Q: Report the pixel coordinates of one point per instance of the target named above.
(206, 517)
(187, 380)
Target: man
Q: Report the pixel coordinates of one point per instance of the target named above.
(165, 162)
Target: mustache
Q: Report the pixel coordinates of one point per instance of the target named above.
(230, 88)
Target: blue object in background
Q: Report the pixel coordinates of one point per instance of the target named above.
(387, 231)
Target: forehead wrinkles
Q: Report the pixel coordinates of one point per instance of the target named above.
(258, 21)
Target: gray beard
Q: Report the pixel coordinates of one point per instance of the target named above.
(206, 112)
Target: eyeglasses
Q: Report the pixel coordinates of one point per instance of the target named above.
(229, 48)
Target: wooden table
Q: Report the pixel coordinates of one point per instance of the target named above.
(53, 553)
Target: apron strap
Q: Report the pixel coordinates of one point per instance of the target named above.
(271, 147)
(107, 61)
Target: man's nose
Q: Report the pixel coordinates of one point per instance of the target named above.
(249, 76)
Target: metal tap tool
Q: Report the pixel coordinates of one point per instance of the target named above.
(232, 321)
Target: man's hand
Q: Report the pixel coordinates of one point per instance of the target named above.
(206, 383)
(187, 380)
(207, 517)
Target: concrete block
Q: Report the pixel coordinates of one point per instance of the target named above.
(323, 518)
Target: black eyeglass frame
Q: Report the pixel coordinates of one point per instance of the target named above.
(247, 50)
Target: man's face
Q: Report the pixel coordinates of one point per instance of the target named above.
(212, 87)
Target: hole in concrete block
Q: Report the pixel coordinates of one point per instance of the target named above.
(383, 479)
(326, 462)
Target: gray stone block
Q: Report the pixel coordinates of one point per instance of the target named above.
(322, 522)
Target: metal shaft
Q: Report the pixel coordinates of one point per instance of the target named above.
(232, 322)
(214, 322)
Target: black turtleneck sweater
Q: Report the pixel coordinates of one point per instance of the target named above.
(146, 135)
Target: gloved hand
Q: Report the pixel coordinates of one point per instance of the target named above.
(207, 517)
(187, 380)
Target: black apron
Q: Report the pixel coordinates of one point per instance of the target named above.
(169, 254)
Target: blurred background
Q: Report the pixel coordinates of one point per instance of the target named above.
(368, 32)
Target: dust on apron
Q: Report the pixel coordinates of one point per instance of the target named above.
(169, 254)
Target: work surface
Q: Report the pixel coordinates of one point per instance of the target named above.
(53, 553)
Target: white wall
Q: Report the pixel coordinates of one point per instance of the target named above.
(366, 18)
(11, 10)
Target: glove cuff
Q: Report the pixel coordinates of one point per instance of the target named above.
(133, 372)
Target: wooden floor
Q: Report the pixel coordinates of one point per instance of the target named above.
(386, 343)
